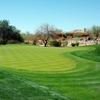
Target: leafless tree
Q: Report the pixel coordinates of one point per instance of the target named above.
(44, 31)
(94, 32)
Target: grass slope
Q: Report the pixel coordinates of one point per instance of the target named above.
(13, 87)
(88, 54)
(56, 68)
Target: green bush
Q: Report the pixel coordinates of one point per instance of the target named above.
(55, 43)
(77, 44)
(34, 42)
(73, 44)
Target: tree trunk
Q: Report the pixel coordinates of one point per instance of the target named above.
(45, 43)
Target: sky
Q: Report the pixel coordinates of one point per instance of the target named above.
(67, 15)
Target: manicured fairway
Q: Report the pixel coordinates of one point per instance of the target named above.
(34, 58)
(56, 68)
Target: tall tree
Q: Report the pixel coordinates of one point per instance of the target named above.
(16, 35)
(9, 32)
(44, 31)
(4, 31)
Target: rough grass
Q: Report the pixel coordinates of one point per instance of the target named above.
(13, 87)
(75, 77)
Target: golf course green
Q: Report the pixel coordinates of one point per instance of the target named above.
(30, 72)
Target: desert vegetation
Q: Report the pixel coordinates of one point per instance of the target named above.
(46, 33)
(28, 71)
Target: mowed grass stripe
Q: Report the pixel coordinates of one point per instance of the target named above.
(33, 58)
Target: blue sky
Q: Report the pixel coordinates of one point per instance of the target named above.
(67, 15)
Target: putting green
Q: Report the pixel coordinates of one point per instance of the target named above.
(35, 58)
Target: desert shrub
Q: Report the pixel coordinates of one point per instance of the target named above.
(13, 42)
(34, 42)
(55, 43)
(64, 43)
(26, 42)
(77, 44)
(51, 42)
(73, 44)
